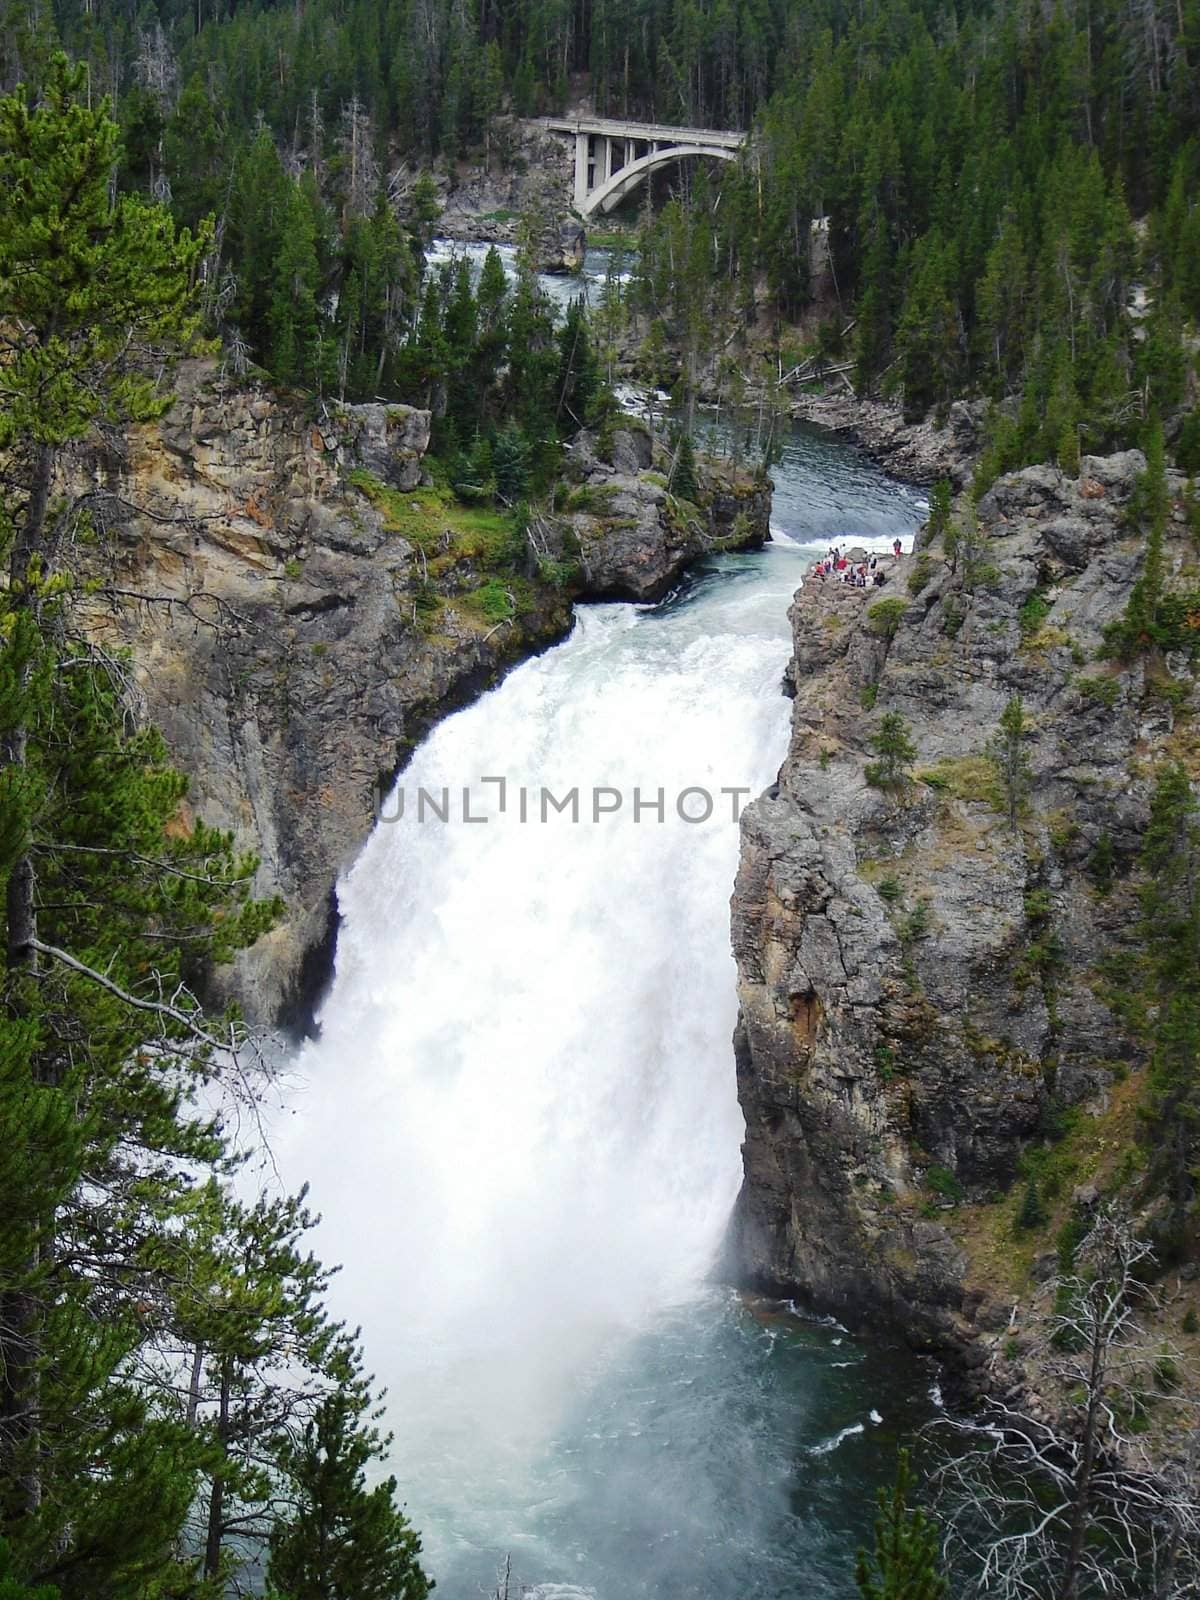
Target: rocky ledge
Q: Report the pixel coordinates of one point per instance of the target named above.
(918, 452)
(302, 603)
(923, 987)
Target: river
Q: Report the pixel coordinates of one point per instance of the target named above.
(520, 1121)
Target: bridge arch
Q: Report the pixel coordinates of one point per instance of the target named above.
(609, 194)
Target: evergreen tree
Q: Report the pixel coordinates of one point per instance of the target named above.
(510, 464)
(295, 332)
(904, 1564)
(1171, 934)
(578, 377)
(1009, 757)
(342, 1541)
(683, 481)
(895, 750)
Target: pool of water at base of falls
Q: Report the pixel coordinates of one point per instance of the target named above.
(521, 1128)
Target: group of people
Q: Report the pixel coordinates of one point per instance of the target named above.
(863, 574)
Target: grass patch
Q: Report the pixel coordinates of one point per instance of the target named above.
(964, 777)
(437, 522)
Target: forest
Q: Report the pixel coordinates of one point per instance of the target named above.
(1010, 195)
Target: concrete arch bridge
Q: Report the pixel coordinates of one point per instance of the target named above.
(613, 157)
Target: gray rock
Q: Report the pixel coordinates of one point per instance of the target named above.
(862, 1047)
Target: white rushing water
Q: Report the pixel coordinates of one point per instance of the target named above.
(520, 1120)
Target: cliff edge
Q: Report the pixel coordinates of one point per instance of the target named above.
(926, 990)
(302, 600)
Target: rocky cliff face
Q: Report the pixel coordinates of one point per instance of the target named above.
(312, 603)
(922, 987)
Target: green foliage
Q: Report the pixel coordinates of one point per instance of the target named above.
(1102, 863)
(939, 509)
(494, 601)
(920, 575)
(1155, 618)
(342, 1540)
(1170, 930)
(1105, 691)
(1032, 1213)
(683, 482)
(868, 695)
(1033, 614)
(122, 1252)
(905, 1562)
(944, 1184)
(895, 750)
(83, 275)
(884, 618)
(1011, 763)
(916, 925)
(12, 1588)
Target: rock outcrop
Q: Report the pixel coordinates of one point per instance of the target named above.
(919, 452)
(922, 986)
(312, 603)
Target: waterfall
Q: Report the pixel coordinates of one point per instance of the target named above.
(521, 1128)
(520, 1118)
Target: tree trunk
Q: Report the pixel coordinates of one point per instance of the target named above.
(1083, 1477)
(216, 1497)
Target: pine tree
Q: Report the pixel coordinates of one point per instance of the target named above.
(1010, 760)
(342, 1540)
(1171, 934)
(578, 378)
(683, 481)
(295, 331)
(510, 464)
(904, 1564)
(895, 750)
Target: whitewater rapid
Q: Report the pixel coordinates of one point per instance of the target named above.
(520, 1119)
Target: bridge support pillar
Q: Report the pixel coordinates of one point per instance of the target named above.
(581, 169)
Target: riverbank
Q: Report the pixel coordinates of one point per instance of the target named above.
(920, 452)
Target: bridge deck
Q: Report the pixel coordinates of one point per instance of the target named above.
(615, 129)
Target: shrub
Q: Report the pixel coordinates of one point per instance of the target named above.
(916, 925)
(920, 575)
(494, 601)
(1103, 690)
(943, 1182)
(868, 695)
(1033, 613)
(884, 618)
